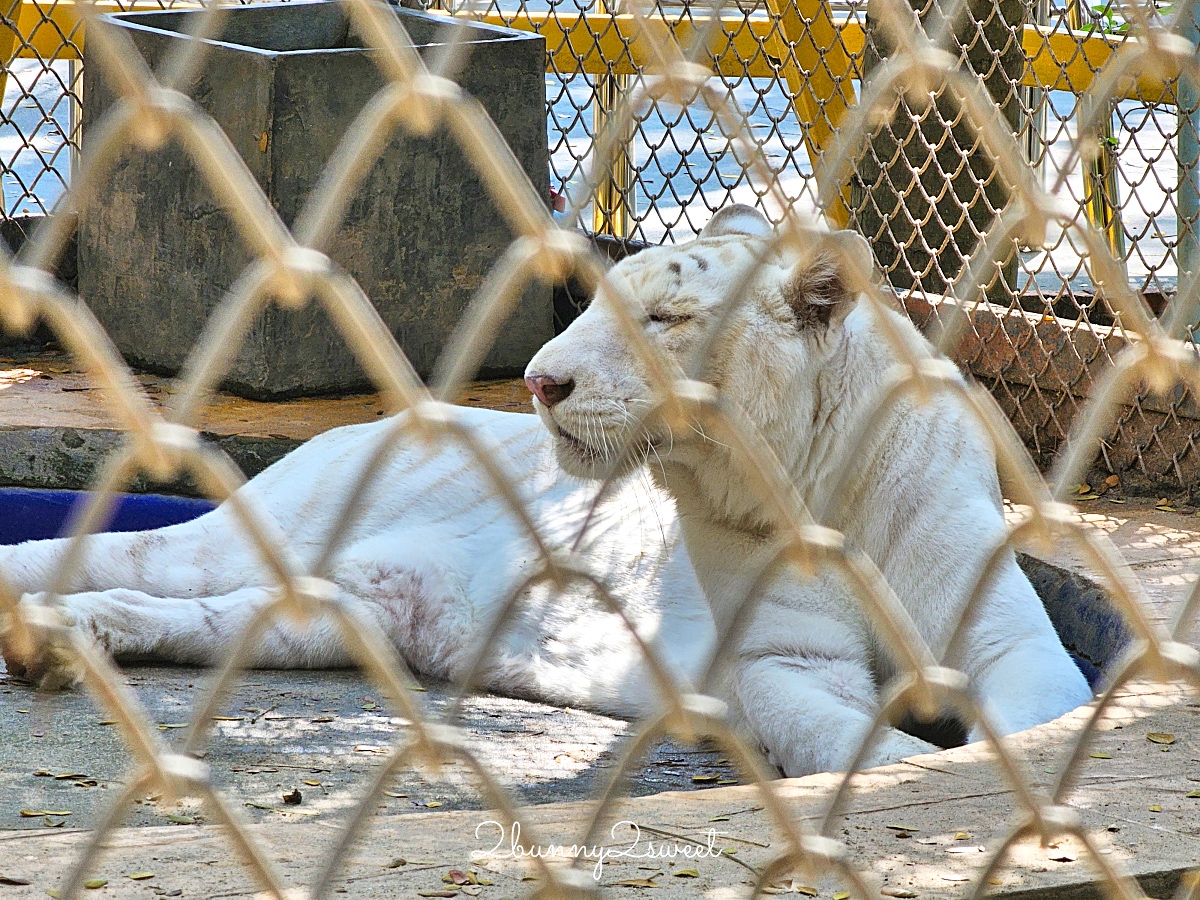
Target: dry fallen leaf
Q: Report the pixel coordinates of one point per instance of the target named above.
(470, 890)
(1156, 808)
(1099, 754)
(38, 813)
(841, 895)
(432, 804)
(93, 883)
(686, 873)
(437, 893)
(1160, 737)
(456, 876)
(1083, 489)
(14, 880)
(962, 836)
(140, 876)
(1112, 481)
(898, 892)
(954, 877)
(790, 886)
(704, 779)
(637, 882)
(1061, 856)
(1192, 794)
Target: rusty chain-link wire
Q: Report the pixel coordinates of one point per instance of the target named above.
(923, 69)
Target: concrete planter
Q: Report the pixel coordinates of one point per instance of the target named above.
(285, 81)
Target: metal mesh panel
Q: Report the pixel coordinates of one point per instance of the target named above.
(291, 268)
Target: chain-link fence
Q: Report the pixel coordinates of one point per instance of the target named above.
(917, 89)
(794, 71)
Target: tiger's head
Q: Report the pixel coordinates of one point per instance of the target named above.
(593, 391)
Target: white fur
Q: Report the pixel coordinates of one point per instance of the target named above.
(432, 556)
(434, 552)
(806, 367)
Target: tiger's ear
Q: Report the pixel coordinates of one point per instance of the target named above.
(823, 289)
(737, 219)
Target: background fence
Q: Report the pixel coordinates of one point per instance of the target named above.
(795, 76)
(903, 148)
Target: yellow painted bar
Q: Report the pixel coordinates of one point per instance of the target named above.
(1070, 60)
(746, 46)
(49, 29)
(742, 46)
(818, 73)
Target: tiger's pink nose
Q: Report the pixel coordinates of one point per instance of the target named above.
(549, 390)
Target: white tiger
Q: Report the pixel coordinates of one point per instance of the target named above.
(434, 553)
(432, 556)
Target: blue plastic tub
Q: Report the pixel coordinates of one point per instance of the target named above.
(29, 515)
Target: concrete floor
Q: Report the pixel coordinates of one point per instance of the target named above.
(287, 730)
(320, 733)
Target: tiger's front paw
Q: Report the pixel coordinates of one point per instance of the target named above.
(35, 642)
(894, 746)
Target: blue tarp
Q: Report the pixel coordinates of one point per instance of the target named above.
(27, 515)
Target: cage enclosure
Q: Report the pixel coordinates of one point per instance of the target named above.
(157, 252)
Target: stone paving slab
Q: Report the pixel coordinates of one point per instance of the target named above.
(1162, 548)
(920, 826)
(278, 742)
(322, 732)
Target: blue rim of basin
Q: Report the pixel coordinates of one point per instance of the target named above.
(29, 515)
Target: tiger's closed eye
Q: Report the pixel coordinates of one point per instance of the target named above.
(667, 319)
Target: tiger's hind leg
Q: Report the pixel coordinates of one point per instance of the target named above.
(133, 625)
(205, 556)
